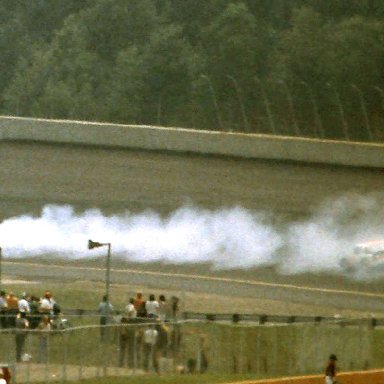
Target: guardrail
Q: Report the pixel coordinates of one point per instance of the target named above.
(260, 319)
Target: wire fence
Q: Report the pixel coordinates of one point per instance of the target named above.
(188, 347)
(297, 108)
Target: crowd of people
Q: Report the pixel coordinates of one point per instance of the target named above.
(31, 307)
(143, 345)
(25, 313)
(145, 332)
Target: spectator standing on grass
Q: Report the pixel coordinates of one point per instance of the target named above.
(150, 351)
(3, 309)
(174, 307)
(34, 315)
(23, 304)
(22, 326)
(127, 343)
(105, 310)
(330, 371)
(6, 374)
(138, 301)
(13, 309)
(2, 379)
(46, 303)
(152, 307)
(164, 309)
(44, 328)
(130, 309)
(142, 312)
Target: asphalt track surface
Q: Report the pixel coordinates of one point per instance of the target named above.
(33, 175)
(235, 287)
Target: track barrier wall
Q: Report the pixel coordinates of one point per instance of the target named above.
(256, 146)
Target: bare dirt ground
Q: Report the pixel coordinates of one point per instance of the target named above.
(33, 175)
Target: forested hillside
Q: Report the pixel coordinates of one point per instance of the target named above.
(291, 67)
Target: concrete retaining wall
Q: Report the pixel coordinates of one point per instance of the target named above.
(188, 140)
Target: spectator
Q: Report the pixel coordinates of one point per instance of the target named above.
(23, 304)
(44, 327)
(105, 310)
(150, 351)
(6, 374)
(3, 310)
(35, 316)
(164, 309)
(138, 302)
(162, 340)
(130, 309)
(330, 371)
(2, 379)
(47, 303)
(174, 338)
(127, 342)
(152, 307)
(174, 307)
(22, 325)
(142, 312)
(202, 361)
(13, 309)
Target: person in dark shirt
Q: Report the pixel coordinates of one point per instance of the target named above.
(330, 371)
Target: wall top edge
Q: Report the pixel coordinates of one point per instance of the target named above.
(195, 131)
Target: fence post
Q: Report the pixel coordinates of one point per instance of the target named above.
(134, 351)
(64, 370)
(258, 351)
(80, 359)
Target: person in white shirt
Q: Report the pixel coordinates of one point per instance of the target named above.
(3, 309)
(164, 309)
(24, 304)
(2, 380)
(150, 352)
(152, 307)
(130, 309)
(46, 303)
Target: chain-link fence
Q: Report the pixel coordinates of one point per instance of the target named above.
(280, 108)
(186, 347)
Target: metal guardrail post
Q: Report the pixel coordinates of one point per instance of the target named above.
(65, 356)
(80, 358)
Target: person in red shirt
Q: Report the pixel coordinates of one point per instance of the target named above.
(6, 374)
(138, 301)
(330, 371)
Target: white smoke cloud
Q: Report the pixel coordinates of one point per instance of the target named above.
(228, 238)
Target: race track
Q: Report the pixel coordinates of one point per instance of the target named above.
(33, 175)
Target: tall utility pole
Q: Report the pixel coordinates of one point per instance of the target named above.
(1, 259)
(95, 244)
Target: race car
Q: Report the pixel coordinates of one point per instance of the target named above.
(367, 258)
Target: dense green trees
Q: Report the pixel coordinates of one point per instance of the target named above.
(296, 67)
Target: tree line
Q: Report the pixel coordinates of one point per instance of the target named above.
(287, 67)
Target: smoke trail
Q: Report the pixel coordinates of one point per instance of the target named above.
(333, 232)
(228, 238)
